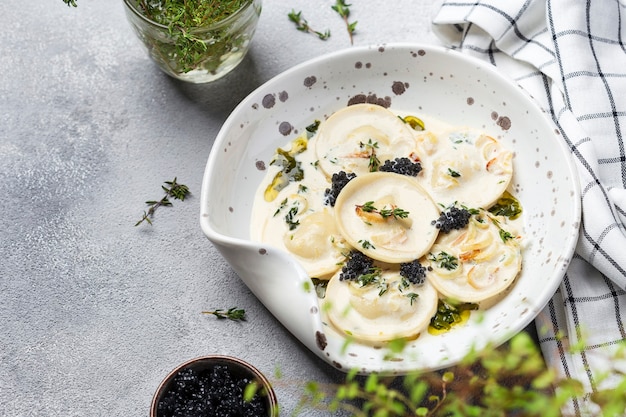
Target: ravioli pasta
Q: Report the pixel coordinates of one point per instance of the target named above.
(391, 217)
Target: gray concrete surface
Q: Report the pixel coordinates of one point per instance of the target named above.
(94, 311)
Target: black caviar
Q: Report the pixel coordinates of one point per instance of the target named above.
(358, 264)
(452, 218)
(338, 181)
(403, 166)
(209, 392)
(414, 271)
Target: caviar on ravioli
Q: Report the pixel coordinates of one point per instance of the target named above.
(389, 308)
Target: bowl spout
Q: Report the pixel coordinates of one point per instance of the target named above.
(280, 283)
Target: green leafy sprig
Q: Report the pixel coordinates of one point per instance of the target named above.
(172, 189)
(343, 9)
(189, 49)
(233, 313)
(303, 26)
(512, 380)
(70, 2)
(395, 212)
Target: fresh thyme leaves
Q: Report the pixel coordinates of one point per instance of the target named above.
(368, 207)
(172, 189)
(343, 9)
(233, 313)
(396, 212)
(189, 48)
(504, 235)
(385, 213)
(303, 26)
(283, 204)
(366, 244)
(70, 2)
(453, 173)
(445, 260)
(289, 218)
(370, 151)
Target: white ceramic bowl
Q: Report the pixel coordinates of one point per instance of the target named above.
(433, 81)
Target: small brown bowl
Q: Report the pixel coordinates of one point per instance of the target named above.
(204, 383)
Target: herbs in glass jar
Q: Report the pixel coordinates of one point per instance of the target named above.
(195, 41)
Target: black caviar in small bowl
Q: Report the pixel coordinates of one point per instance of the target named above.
(214, 386)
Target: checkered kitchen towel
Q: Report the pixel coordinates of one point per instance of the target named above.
(570, 55)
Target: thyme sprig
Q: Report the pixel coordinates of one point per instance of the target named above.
(188, 48)
(172, 189)
(395, 212)
(233, 313)
(445, 260)
(343, 9)
(303, 26)
(70, 2)
(370, 151)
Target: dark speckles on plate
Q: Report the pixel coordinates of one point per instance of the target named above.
(470, 101)
(320, 340)
(370, 98)
(309, 81)
(283, 96)
(358, 65)
(285, 128)
(260, 165)
(269, 101)
(504, 122)
(262, 251)
(399, 87)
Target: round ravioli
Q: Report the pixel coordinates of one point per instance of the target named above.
(464, 166)
(317, 244)
(387, 216)
(386, 309)
(359, 136)
(299, 224)
(475, 263)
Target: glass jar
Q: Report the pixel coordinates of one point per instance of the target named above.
(198, 54)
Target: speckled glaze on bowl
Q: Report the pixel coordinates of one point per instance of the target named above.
(424, 79)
